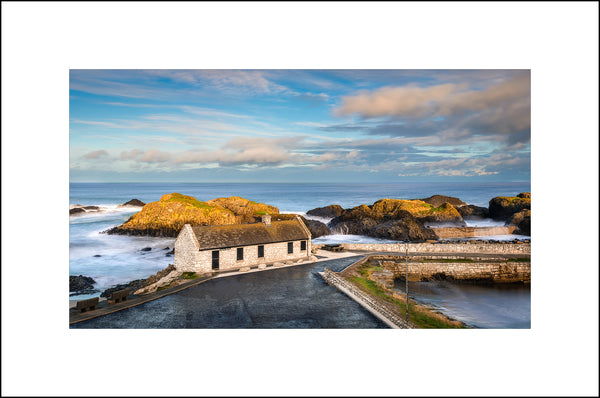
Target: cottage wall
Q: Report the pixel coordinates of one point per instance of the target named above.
(186, 250)
(274, 252)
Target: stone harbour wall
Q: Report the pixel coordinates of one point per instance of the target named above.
(468, 232)
(371, 305)
(460, 247)
(496, 272)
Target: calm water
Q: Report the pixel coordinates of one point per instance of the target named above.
(499, 306)
(112, 259)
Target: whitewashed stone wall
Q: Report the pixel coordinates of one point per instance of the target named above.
(201, 261)
(274, 252)
(186, 250)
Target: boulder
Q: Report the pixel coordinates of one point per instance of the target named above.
(438, 200)
(526, 195)
(473, 212)
(503, 208)
(134, 203)
(76, 210)
(91, 208)
(522, 220)
(317, 228)
(330, 211)
(146, 249)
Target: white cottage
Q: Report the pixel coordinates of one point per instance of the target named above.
(231, 247)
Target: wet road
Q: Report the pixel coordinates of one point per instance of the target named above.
(294, 297)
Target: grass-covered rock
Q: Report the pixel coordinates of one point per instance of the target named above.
(503, 207)
(167, 216)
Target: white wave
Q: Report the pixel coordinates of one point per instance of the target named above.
(324, 220)
(484, 222)
(500, 237)
(342, 238)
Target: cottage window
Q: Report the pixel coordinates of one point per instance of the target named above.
(261, 251)
(290, 247)
(303, 245)
(240, 253)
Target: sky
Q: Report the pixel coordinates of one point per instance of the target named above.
(299, 125)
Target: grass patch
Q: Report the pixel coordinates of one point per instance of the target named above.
(519, 260)
(261, 213)
(189, 275)
(163, 287)
(189, 200)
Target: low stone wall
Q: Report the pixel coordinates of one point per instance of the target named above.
(365, 300)
(496, 272)
(471, 232)
(458, 247)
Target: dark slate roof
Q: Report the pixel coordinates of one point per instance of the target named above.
(236, 235)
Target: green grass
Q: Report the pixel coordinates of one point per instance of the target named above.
(420, 318)
(177, 197)
(189, 275)
(163, 287)
(261, 213)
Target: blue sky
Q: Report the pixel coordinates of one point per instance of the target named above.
(299, 125)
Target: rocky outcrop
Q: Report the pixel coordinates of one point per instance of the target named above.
(317, 228)
(526, 195)
(167, 216)
(469, 212)
(133, 203)
(81, 209)
(438, 200)
(76, 210)
(140, 283)
(330, 211)
(522, 220)
(81, 284)
(395, 219)
(503, 208)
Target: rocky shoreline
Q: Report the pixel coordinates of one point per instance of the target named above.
(393, 219)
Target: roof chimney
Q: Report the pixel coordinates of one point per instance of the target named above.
(266, 219)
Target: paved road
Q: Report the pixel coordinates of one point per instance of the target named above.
(294, 297)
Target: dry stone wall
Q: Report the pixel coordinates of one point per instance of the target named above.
(462, 247)
(497, 272)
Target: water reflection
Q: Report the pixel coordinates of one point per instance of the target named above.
(506, 306)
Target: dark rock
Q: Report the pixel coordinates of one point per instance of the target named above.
(146, 249)
(76, 210)
(134, 202)
(139, 283)
(503, 208)
(522, 220)
(92, 208)
(166, 248)
(330, 211)
(473, 212)
(438, 200)
(391, 223)
(97, 255)
(526, 195)
(80, 283)
(317, 228)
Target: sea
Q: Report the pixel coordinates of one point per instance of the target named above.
(114, 259)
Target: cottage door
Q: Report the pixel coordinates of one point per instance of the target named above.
(215, 259)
